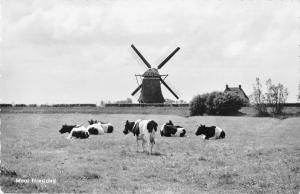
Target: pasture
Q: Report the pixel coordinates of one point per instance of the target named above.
(258, 155)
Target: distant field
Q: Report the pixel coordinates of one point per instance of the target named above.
(180, 111)
(258, 155)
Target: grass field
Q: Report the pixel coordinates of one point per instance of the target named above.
(258, 155)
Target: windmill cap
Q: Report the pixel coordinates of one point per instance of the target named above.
(151, 73)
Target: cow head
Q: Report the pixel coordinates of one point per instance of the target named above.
(170, 123)
(66, 128)
(128, 127)
(200, 130)
(92, 121)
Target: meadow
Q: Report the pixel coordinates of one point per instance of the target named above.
(258, 155)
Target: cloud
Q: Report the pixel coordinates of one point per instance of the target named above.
(87, 43)
(234, 48)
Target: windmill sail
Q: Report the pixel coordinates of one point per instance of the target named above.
(168, 58)
(165, 84)
(136, 90)
(141, 56)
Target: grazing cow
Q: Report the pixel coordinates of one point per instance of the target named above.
(144, 130)
(209, 132)
(170, 129)
(95, 129)
(107, 127)
(75, 131)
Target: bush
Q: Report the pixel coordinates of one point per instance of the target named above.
(210, 104)
(217, 103)
(197, 105)
(228, 103)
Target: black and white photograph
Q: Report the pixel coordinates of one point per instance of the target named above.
(140, 96)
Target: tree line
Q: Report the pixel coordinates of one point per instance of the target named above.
(268, 100)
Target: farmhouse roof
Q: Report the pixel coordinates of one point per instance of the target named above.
(237, 90)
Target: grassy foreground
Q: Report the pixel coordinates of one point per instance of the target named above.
(258, 155)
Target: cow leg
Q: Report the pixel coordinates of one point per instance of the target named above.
(137, 145)
(151, 148)
(143, 144)
(70, 135)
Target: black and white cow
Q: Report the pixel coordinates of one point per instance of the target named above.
(144, 130)
(67, 128)
(76, 131)
(210, 132)
(169, 129)
(107, 127)
(95, 129)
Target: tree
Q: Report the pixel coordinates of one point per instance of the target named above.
(258, 99)
(228, 103)
(210, 103)
(218, 103)
(102, 103)
(276, 96)
(197, 105)
(127, 101)
(169, 101)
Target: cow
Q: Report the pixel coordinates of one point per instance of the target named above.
(67, 128)
(107, 127)
(170, 129)
(95, 129)
(76, 131)
(144, 130)
(213, 132)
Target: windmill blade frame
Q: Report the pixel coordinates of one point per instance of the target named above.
(166, 85)
(168, 58)
(141, 56)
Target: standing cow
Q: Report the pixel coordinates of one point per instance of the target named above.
(144, 130)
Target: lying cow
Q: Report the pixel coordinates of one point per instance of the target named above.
(170, 129)
(76, 131)
(95, 129)
(107, 127)
(144, 130)
(210, 132)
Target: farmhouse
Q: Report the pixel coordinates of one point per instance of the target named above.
(239, 91)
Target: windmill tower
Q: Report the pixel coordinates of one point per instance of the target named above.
(151, 81)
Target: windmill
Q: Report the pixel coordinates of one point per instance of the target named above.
(151, 81)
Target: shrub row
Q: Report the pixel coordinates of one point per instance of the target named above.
(216, 103)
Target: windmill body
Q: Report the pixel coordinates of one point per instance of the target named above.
(151, 81)
(151, 90)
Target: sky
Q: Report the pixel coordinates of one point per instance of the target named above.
(78, 51)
